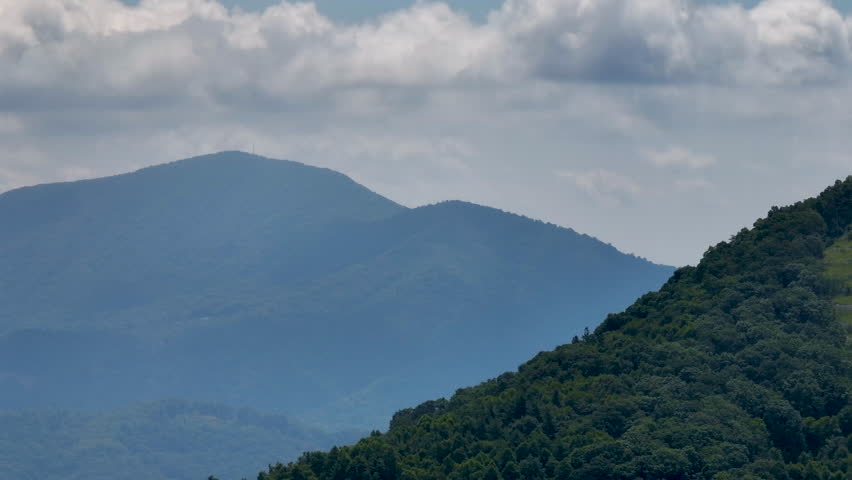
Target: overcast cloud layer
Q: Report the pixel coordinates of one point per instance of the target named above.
(657, 125)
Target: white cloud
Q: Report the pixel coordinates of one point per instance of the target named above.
(680, 157)
(778, 42)
(801, 40)
(174, 48)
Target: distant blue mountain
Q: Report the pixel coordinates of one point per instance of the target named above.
(166, 440)
(243, 280)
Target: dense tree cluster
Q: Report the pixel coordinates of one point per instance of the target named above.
(736, 369)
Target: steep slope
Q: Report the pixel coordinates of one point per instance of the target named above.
(739, 368)
(235, 278)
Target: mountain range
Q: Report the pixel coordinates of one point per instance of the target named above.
(241, 281)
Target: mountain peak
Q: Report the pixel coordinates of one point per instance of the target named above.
(226, 157)
(236, 165)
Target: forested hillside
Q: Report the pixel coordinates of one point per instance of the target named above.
(738, 368)
(256, 282)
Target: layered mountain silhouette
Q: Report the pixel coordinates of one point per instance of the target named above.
(256, 282)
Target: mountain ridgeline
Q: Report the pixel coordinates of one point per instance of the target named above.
(292, 289)
(736, 369)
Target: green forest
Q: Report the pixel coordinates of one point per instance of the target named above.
(736, 369)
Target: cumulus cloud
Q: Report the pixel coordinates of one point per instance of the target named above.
(67, 50)
(609, 40)
(198, 49)
(801, 40)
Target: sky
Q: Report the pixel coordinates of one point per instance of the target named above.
(660, 126)
(477, 10)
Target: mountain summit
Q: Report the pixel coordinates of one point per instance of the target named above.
(241, 279)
